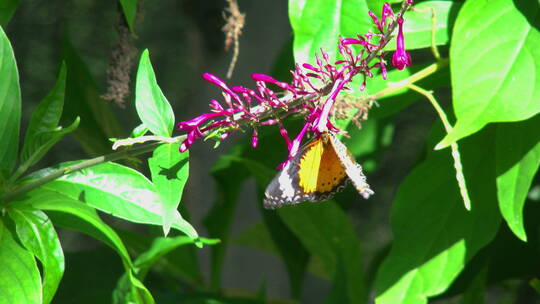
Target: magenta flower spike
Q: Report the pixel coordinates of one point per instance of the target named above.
(400, 58)
(313, 90)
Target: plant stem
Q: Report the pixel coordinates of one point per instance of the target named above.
(144, 148)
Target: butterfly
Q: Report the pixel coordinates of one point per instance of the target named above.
(321, 168)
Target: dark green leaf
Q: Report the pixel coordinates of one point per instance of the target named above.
(434, 236)
(90, 277)
(117, 190)
(417, 27)
(325, 231)
(494, 70)
(256, 236)
(82, 99)
(292, 252)
(475, 292)
(37, 234)
(129, 7)
(319, 23)
(229, 177)
(10, 104)
(19, 274)
(535, 284)
(153, 108)
(7, 8)
(170, 170)
(162, 246)
(518, 160)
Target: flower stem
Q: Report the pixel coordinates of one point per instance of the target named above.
(394, 87)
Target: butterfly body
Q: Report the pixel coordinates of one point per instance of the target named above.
(320, 169)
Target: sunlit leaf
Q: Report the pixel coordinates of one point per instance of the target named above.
(170, 170)
(117, 190)
(495, 71)
(10, 104)
(37, 234)
(417, 26)
(518, 160)
(318, 24)
(153, 108)
(19, 275)
(72, 214)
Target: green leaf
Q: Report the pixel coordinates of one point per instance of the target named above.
(130, 290)
(82, 99)
(518, 160)
(417, 26)
(42, 142)
(47, 114)
(19, 274)
(43, 130)
(170, 170)
(325, 231)
(10, 104)
(139, 130)
(535, 284)
(118, 190)
(183, 262)
(476, 290)
(72, 214)
(159, 248)
(319, 23)
(7, 8)
(494, 70)
(153, 108)
(376, 5)
(434, 236)
(129, 7)
(37, 234)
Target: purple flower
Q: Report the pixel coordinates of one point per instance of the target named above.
(401, 58)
